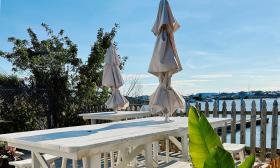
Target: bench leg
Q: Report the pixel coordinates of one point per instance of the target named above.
(52, 165)
(241, 156)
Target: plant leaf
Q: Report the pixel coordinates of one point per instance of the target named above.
(248, 163)
(219, 158)
(202, 136)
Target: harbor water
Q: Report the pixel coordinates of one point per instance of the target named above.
(248, 103)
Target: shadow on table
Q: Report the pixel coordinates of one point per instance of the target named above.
(79, 133)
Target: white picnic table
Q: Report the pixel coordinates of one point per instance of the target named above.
(90, 141)
(115, 115)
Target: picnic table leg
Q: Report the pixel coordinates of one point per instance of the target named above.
(185, 147)
(133, 163)
(118, 157)
(94, 161)
(105, 160)
(155, 152)
(64, 163)
(85, 162)
(38, 160)
(35, 161)
(149, 155)
(112, 159)
(74, 163)
(167, 150)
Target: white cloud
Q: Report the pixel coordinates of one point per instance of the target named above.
(212, 76)
(176, 82)
(203, 53)
(203, 59)
(272, 70)
(139, 76)
(193, 66)
(149, 84)
(179, 82)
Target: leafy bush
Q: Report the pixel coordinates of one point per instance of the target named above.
(206, 149)
(54, 66)
(22, 110)
(6, 154)
(9, 81)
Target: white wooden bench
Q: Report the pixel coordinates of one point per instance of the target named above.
(27, 163)
(180, 164)
(235, 149)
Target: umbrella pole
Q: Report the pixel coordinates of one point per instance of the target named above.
(166, 118)
(165, 113)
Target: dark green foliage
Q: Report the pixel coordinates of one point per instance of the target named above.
(54, 67)
(52, 62)
(90, 90)
(9, 81)
(219, 158)
(248, 162)
(22, 109)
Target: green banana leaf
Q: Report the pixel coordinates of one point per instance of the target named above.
(202, 138)
(206, 149)
(219, 158)
(248, 163)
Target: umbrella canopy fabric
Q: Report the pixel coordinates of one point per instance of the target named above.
(165, 62)
(112, 78)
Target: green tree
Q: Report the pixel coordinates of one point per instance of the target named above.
(9, 81)
(54, 67)
(90, 90)
(52, 63)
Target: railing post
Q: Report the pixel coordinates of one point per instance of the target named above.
(206, 109)
(263, 131)
(187, 108)
(233, 122)
(253, 128)
(224, 129)
(215, 113)
(243, 123)
(274, 129)
(215, 109)
(197, 106)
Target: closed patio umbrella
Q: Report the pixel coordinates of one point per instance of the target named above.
(165, 62)
(112, 78)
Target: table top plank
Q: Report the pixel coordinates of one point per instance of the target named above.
(115, 115)
(75, 139)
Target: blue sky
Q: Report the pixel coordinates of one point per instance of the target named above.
(224, 46)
